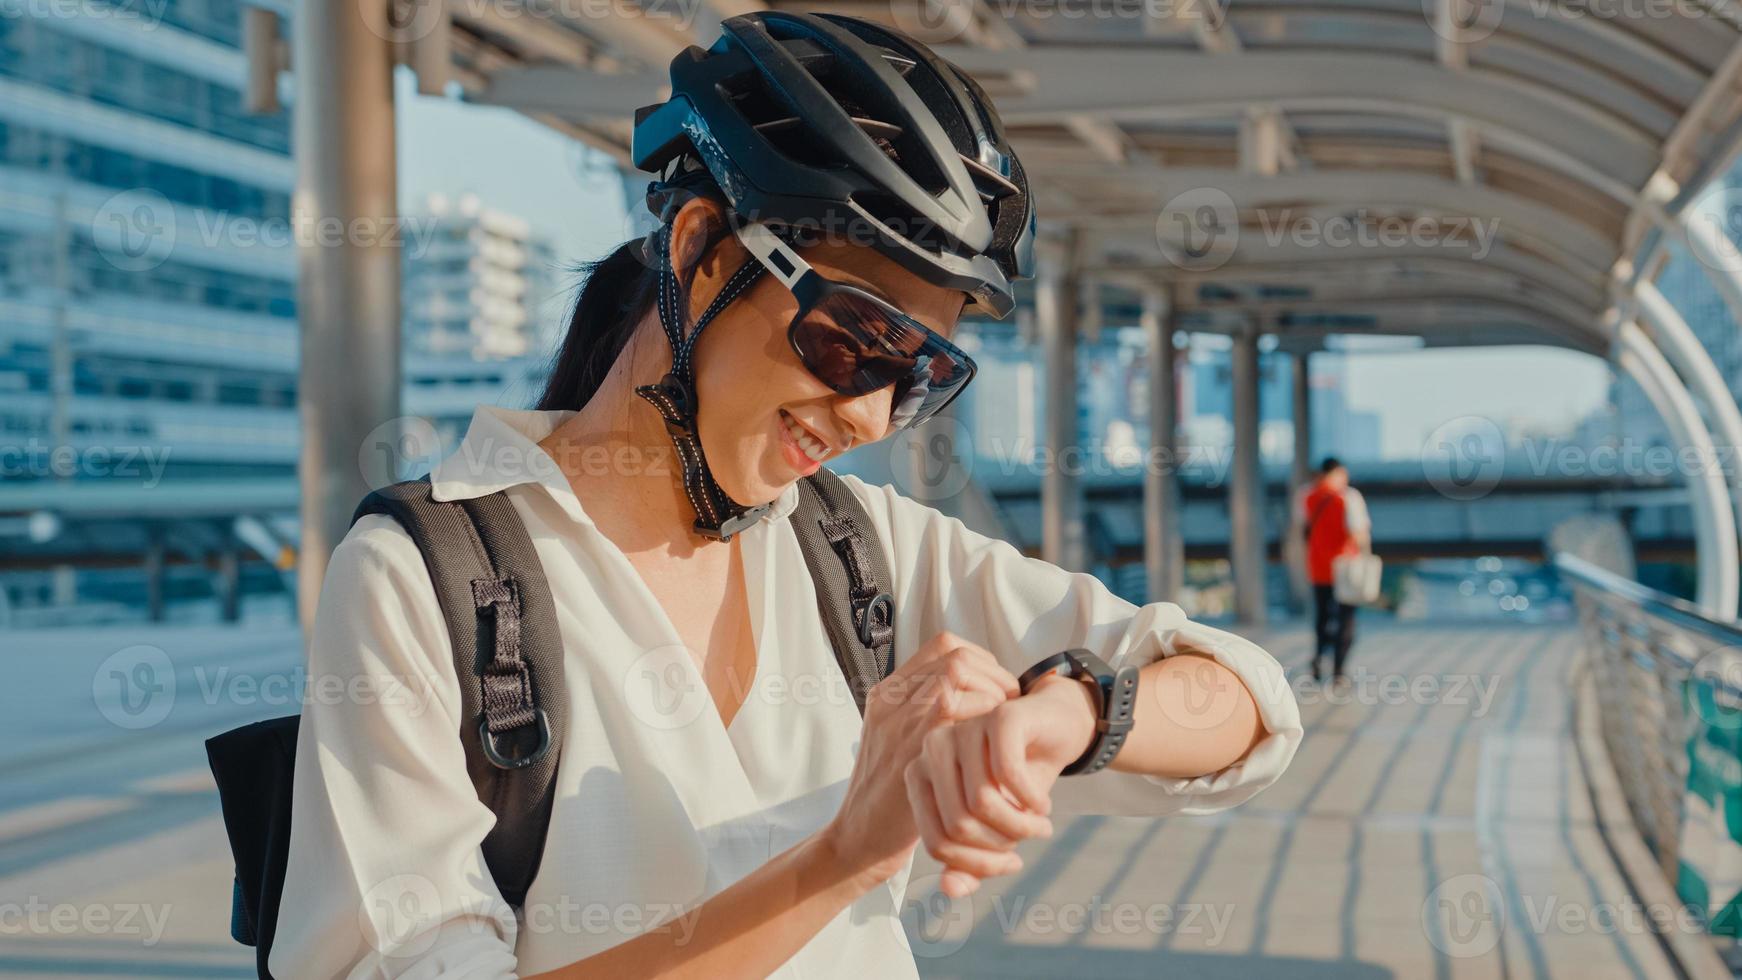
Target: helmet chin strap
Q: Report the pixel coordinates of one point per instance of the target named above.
(717, 515)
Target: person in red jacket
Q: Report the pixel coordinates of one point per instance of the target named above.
(1336, 525)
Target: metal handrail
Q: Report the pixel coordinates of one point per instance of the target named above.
(1669, 608)
(1650, 655)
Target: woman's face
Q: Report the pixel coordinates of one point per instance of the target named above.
(758, 404)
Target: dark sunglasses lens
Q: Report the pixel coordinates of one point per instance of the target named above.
(857, 345)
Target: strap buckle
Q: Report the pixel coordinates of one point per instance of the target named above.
(506, 760)
(874, 628)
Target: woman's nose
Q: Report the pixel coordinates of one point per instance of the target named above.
(867, 415)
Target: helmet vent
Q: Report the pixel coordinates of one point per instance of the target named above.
(792, 139)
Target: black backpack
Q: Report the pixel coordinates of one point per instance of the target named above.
(502, 620)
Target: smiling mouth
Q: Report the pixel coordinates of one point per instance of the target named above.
(812, 447)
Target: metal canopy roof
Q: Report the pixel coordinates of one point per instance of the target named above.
(1332, 166)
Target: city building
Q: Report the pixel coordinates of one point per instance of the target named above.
(1689, 289)
(148, 334)
(478, 282)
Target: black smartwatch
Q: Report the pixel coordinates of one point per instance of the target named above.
(1116, 691)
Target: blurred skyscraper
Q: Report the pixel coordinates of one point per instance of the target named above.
(148, 334)
(147, 295)
(477, 290)
(1689, 288)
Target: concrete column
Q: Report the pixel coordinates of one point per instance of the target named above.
(1246, 488)
(155, 602)
(1163, 544)
(348, 291)
(1300, 476)
(1056, 303)
(1302, 472)
(228, 579)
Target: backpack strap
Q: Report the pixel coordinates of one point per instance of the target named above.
(845, 558)
(508, 655)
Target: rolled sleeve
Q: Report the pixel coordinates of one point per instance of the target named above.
(386, 874)
(950, 577)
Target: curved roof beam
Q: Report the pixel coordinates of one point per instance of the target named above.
(1128, 251)
(1416, 292)
(1067, 80)
(1515, 216)
(1521, 266)
(1443, 320)
(1659, 87)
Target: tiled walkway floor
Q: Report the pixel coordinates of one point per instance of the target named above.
(1435, 824)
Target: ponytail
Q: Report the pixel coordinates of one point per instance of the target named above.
(616, 293)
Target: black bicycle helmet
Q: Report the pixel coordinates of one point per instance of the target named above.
(831, 122)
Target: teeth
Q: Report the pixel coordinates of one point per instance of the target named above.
(812, 448)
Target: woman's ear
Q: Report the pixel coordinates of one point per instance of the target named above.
(705, 252)
(698, 224)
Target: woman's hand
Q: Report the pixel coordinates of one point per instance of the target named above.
(946, 681)
(981, 785)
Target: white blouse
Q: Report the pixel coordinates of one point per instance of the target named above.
(658, 805)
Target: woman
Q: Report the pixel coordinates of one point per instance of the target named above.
(720, 810)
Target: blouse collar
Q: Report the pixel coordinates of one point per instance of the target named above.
(501, 450)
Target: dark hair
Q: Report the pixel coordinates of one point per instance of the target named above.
(615, 293)
(1330, 463)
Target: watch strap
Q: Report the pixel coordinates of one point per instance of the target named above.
(1117, 690)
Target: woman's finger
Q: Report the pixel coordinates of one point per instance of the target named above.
(973, 861)
(943, 756)
(986, 799)
(1007, 757)
(960, 692)
(947, 647)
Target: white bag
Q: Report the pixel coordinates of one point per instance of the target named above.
(1355, 579)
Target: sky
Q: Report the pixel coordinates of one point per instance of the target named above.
(1543, 388)
(513, 164)
(517, 165)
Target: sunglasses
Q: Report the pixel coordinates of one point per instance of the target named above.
(857, 343)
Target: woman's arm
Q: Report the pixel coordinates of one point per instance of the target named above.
(1218, 727)
(1193, 716)
(386, 876)
(749, 929)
